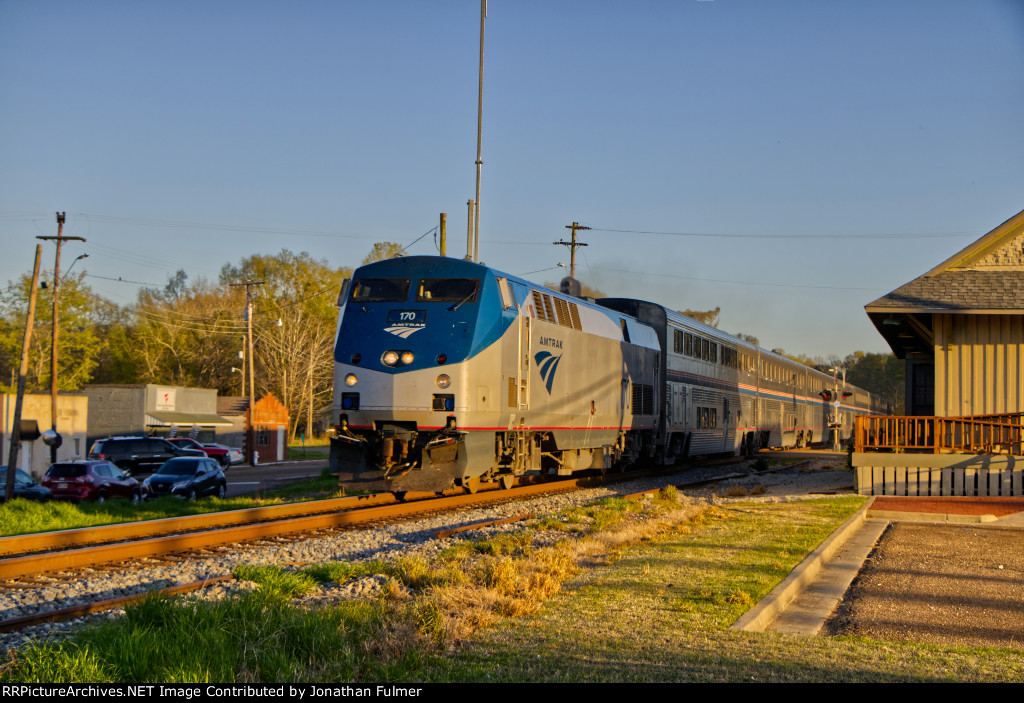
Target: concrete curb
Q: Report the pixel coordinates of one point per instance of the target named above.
(761, 616)
(931, 517)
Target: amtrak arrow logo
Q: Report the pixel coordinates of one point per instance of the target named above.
(547, 363)
(403, 332)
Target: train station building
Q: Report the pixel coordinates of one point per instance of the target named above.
(960, 327)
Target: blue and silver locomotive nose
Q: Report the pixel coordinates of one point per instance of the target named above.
(408, 328)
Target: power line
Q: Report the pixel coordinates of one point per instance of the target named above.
(835, 237)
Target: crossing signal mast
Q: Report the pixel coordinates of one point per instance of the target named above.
(836, 395)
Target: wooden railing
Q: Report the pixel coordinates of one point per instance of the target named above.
(972, 434)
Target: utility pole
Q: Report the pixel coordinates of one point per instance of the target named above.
(444, 233)
(572, 246)
(250, 433)
(60, 238)
(12, 460)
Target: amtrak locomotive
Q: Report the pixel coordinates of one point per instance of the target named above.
(449, 373)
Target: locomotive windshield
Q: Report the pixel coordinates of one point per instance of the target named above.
(447, 290)
(380, 290)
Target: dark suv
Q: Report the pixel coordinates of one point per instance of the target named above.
(91, 480)
(187, 477)
(138, 454)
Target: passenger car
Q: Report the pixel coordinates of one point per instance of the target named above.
(187, 477)
(223, 454)
(24, 486)
(91, 480)
(138, 454)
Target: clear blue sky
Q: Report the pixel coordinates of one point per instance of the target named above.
(190, 134)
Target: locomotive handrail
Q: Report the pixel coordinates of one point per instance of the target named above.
(975, 434)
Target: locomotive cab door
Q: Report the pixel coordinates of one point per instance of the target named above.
(524, 362)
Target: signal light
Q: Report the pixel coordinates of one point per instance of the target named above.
(826, 395)
(847, 394)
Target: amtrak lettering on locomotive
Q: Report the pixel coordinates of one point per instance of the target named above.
(449, 373)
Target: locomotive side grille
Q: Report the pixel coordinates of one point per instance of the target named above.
(575, 317)
(563, 313)
(538, 304)
(548, 311)
(513, 400)
(643, 399)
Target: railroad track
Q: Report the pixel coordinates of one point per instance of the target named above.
(79, 554)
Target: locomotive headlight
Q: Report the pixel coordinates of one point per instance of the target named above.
(390, 358)
(407, 357)
(444, 380)
(351, 380)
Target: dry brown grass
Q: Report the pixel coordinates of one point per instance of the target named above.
(442, 601)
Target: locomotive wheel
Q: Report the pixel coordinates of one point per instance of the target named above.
(471, 485)
(507, 480)
(399, 495)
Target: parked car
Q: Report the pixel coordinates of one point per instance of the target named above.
(91, 480)
(138, 454)
(225, 455)
(24, 486)
(187, 477)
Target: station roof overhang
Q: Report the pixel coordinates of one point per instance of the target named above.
(905, 316)
(163, 418)
(984, 278)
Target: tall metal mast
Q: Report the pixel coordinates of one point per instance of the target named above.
(475, 254)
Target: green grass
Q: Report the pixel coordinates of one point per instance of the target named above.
(662, 613)
(313, 449)
(20, 516)
(656, 609)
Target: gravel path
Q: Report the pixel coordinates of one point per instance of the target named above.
(943, 584)
(415, 537)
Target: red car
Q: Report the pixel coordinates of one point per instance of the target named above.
(91, 480)
(225, 456)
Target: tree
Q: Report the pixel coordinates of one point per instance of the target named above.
(708, 317)
(382, 251)
(186, 334)
(294, 359)
(882, 374)
(81, 312)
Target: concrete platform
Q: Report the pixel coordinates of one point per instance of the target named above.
(806, 598)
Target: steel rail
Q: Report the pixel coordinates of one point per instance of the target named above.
(55, 561)
(80, 537)
(77, 611)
